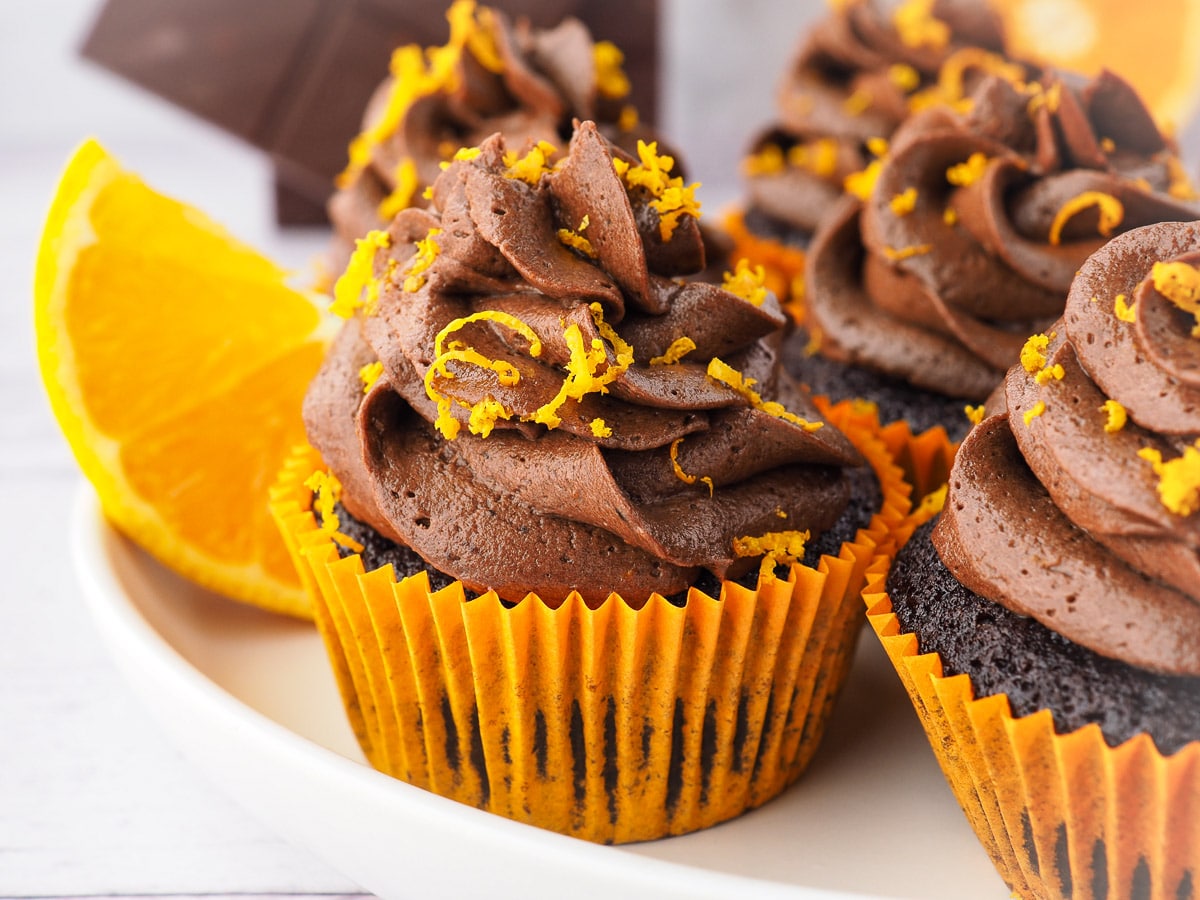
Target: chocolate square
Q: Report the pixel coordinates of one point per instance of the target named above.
(292, 77)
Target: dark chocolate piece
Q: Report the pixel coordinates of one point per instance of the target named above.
(292, 77)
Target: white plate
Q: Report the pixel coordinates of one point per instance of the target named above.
(249, 698)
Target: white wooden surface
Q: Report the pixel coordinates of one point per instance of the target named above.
(93, 800)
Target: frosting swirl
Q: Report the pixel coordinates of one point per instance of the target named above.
(857, 74)
(1076, 501)
(549, 407)
(977, 220)
(494, 74)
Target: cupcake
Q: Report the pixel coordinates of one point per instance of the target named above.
(581, 552)
(857, 74)
(1046, 627)
(494, 75)
(967, 233)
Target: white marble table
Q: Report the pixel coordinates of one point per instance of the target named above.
(93, 799)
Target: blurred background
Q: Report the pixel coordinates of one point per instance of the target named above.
(92, 798)
(289, 78)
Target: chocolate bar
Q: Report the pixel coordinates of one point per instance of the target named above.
(292, 77)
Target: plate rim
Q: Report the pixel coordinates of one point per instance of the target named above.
(137, 648)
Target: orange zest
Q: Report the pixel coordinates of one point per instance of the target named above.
(1111, 211)
(1179, 478)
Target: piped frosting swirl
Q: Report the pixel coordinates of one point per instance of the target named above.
(976, 221)
(1075, 502)
(857, 75)
(554, 409)
(494, 74)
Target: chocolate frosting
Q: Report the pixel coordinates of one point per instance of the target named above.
(538, 83)
(980, 263)
(851, 50)
(608, 492)
(1051, 511)
(841, 90)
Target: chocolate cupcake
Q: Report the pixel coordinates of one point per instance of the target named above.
(493, 75)
(583, 481)
(1047, 627)
(857, 74)
(970, 230)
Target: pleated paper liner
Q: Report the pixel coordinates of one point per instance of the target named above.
(612, 724)
(783, 265)
(1061, 815)
(924, 459)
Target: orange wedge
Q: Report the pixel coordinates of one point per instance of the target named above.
(175, 359)
(1154, 46)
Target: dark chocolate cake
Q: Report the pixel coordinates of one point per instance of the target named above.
(1005, 653)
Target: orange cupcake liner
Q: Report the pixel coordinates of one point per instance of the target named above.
(924, 459)
(782, 265)
(1061, 815)
(612, 724)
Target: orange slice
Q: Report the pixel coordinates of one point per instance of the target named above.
(175, 359)
(1154, 46)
